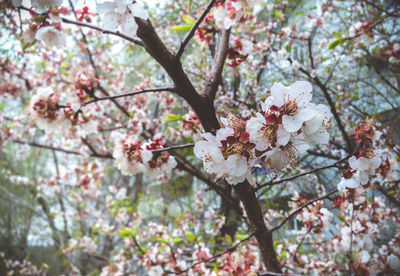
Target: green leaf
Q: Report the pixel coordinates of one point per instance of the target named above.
(215, 269)
(333, 44)
(172, 118)
(228, 238)
(190, 236)
(127, 232)
(162, 240)
(337, 35)
(181, 27)
(188, 19)
(176, 240)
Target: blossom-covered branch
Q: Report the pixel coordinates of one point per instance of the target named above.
(301, 208)
(229, 250)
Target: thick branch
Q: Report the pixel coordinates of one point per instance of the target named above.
(255, 220)
(203, 107)
(214, 79)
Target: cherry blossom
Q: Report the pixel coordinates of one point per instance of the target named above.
(161, 162)
(51, 36)
(44, 110)
(293, 102)
(122, 13)
(42, 6)
(130, 156)
(394, 262)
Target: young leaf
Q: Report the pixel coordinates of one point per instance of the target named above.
(188, 19)
(190, 236)
(181, 27)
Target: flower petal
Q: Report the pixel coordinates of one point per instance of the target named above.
(283, 136)
(291, 123)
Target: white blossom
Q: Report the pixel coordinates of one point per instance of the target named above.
(51, 36)
(132, 161)
(394, 262)
(43, 111)
(122, 13)
(42, 6)
(295, 100)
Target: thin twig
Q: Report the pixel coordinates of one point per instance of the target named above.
(174, 147)
(304, 173)
(34, 144)
(267, 273)
(301, 208)
(229, 250)
(193, 29)
(130, 94)
(104, 31)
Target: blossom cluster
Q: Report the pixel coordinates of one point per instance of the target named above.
(45, 23)
(286, 127)
(122, 13)
(229, 12)
(367, 162)
(50, 116)
(132, 158)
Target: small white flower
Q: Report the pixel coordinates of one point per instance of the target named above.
(51, 36)
(365, 166)
(364, 256)
(315, 129)
(122, 13)
(209, 151)
(155, 271)
(130, 157)
(393, 262)
(296, 65)
(282, 156)
(87, 245)
(43, 111)
(42, 6)
(295, 101)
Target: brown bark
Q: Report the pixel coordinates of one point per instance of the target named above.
(203, 105)
(255, 220)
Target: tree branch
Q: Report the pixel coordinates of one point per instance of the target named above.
(214, 79)
(304, 173)
(301, 208)
(34, 144)
(391, 198)
(104, 31)
(171, 89)
(229, 250)
(174, 148)
(203, 107)
(193, 30)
